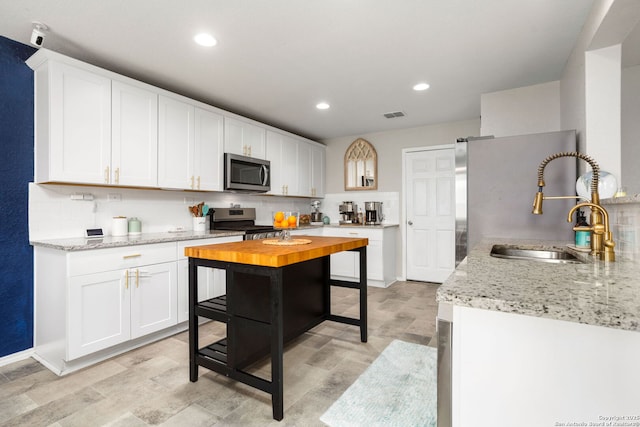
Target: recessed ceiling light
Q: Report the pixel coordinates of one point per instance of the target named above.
(204, 39)
(421, 86)
(322, 106)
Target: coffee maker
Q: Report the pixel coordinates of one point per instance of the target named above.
(373, 213)
(348, 213)
(316, 215)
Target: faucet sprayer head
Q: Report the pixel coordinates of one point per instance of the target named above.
(537, 203)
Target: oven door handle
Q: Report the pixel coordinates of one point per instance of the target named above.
(264, 173)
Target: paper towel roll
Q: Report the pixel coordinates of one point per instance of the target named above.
(119, 226)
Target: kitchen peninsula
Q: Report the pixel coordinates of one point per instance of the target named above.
(535, 344)
(275, 292)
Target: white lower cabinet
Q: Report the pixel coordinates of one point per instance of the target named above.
(112, 307)
(94, 304)
(381, 255)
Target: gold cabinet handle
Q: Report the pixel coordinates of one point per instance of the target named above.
(198, 182)
(106, 175)
(249, 151)
(192, 182)
(117, 175)
(126, 279)
(137, 277)
(131, 256)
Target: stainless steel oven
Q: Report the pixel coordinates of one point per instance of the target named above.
(246, 174)
(241, 219)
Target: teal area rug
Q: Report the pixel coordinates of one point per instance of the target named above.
(398, 389)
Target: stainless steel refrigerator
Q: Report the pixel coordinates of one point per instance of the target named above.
(496, 181)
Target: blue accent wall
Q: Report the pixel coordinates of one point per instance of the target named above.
(16, 171)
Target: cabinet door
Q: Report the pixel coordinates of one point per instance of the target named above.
(134, 136)
(318, 156)
(282, 153)
(175, 144)
(344, 264)
(98, 312)
(154, 305)
(303, 159)
(244, 138)
(208, 154)
(80, 125)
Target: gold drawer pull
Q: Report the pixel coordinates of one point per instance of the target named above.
(131, 256)
(126, 279)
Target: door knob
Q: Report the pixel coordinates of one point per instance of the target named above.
(410, 223)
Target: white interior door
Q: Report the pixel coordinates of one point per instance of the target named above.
(430, 208)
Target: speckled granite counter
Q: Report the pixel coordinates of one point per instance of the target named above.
(594, 293)
(82, 244)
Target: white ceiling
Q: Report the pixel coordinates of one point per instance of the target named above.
(276, 59)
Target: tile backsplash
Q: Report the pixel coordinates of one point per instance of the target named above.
(390, 204)
(62, 211)
(53, 214)
(624, 220)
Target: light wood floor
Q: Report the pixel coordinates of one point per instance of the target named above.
(150, 385)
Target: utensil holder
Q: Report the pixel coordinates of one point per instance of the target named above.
(199, 223)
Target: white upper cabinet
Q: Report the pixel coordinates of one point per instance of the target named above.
(243, 138)
(282, 153)
(175, 143)
(189, 146)
(297, 166)
(93, 126)
(303, 159)
(318, 165)
(134, 136)
(208, 153)
(73, 125)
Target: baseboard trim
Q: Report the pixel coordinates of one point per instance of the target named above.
(16, 357)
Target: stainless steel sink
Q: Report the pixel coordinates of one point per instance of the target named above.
(558, 256)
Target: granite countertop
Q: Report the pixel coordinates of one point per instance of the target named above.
(82, 244)
(593, 292)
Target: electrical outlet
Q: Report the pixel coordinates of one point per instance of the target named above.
(114, 197)
(189, 201)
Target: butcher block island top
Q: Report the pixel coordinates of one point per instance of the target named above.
(255, 252)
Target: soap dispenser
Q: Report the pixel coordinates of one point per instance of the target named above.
(583, 238)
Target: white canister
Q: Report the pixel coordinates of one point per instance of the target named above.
(199, 223)
(119, 226)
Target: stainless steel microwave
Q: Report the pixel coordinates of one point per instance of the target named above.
(246, 174)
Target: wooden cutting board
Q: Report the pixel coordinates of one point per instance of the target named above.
(254, 252)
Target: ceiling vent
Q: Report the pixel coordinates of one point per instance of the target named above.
(394, 114)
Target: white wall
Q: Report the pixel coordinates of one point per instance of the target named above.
(602, 107)
(572, 83)
(389, 147)
(521, 111)
(630, 129)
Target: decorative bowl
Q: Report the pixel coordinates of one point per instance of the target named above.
(286, 219)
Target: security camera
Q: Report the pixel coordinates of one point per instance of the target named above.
(37, 35)
(37, 38)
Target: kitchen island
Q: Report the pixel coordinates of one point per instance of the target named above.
(530, 343)
(274, 294)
